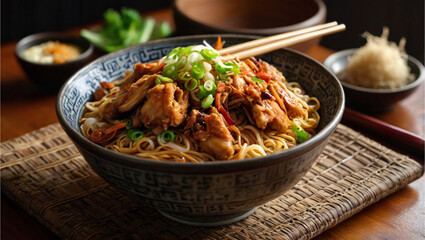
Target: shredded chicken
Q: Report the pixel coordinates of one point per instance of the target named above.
(270, 114)
(129, 99)
(212, 133)
(166, 106)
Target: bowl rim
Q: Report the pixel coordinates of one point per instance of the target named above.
(46, 36)
(344, 54)
(317, 17)
(204, 167)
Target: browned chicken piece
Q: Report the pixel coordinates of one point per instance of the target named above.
(268, 113)
(271, 71)
(129, 99)
(293, 107)
(139, 70)
(166, 106)
(212, 133)
(239, 82)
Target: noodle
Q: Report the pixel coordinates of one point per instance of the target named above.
(191, 107)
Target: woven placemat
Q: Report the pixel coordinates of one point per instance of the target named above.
(43, 172)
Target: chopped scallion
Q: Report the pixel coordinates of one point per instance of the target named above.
(209, 54)
(135, 134)
(170, 70)
(191, 84)
(302, 135)
(166, 136)
(197, 71)
(257, 80)
(210, 86)
(206, 103)
(202, 92)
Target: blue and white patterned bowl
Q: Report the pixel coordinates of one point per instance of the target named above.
(203, 194)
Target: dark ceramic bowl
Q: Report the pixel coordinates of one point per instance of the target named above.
(372, 99)
(50, 77)
(202, 193)
(265, 17)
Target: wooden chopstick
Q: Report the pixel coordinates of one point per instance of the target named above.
(274, 38)
(268, 44)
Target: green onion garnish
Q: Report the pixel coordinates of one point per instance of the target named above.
(187, 50)
(257, 80)
(223, 68)
(206, 103)
(170, 70)
(302, 135)
(128, 123)
(175, 53)
(209, 54)
(185, 76)
(162, 79)
(210, 86)
(197, 71)
(191, 84)
(166, 136)
(202, 92)
(134, 134)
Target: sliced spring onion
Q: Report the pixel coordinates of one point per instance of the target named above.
(185, 76)
(302, 135)
(210, 86)
(170, 70)
(209, 54)
(162, 79)
(197, 71)
(128, 123)
(175, 53)
(135, 134)
(191, 84)
(223, 68)
(206, 103)
(202, 92)
(257, 80)
(166, 136)
(187, 50)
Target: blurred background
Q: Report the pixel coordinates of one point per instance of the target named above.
(20, 18)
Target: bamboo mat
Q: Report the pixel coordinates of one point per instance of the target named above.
(43, 173)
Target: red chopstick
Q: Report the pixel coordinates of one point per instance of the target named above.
(374, 127)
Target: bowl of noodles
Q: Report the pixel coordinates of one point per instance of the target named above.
(203, 141)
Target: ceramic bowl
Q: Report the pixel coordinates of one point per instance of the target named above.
(210, 193)
(50, 77)
(371, 99)
(265, 17)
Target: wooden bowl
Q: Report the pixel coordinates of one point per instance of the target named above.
(266, 17)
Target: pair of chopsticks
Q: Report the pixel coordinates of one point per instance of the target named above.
(268, 44)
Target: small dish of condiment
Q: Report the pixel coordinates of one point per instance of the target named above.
(49, 59)
(377, 75)
(51, 52)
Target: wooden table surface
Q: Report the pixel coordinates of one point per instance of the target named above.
(398, 216)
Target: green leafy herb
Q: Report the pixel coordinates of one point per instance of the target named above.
(124, 29)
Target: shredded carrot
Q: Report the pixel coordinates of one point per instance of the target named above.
(115, 127)
(103, 135)
(106, 85)
(219, 44)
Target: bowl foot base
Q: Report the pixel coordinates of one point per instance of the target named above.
(205, 222)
